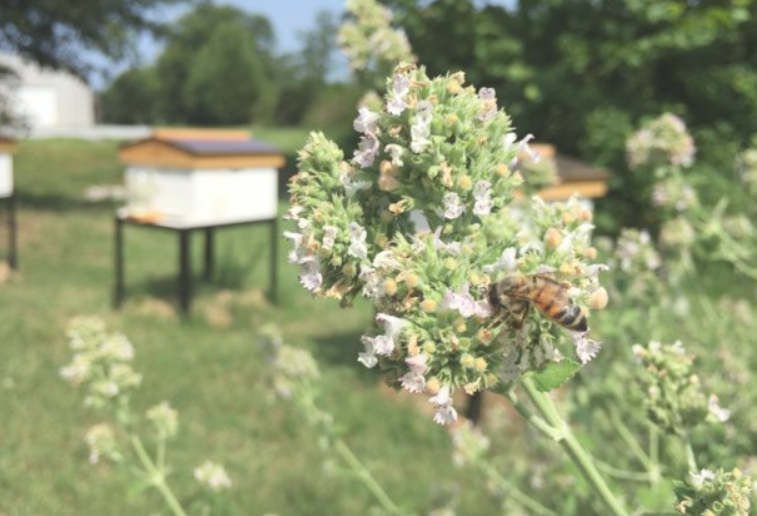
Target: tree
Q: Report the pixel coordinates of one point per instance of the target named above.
(186, 40)
(62, 34)
(132, 98)
(227, 82)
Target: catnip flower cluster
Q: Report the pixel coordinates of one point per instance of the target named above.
(715, 493)
(212, 476)
(370, 42)
(674, 398)
(664, 141)
(101, 363)
(422, 220)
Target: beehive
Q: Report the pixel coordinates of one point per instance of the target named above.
(7, 148)
(201, 177)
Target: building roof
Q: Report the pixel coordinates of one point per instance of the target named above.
(574, 177)
(188, 148)
(7, 145)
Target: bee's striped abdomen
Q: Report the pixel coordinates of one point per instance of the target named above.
(572, 318)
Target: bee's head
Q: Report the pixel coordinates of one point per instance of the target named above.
(510, 285)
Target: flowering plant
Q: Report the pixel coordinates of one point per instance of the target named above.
(422, 221)
(102, 365)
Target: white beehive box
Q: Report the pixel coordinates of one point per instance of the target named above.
(7, 148)
(201, 177)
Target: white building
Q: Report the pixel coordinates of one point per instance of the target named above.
(49, 99)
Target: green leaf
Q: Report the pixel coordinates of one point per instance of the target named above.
(554, 374)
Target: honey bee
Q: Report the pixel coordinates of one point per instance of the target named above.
(516, 294)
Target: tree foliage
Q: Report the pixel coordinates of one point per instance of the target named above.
(58, 34)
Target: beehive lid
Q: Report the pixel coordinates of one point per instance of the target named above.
(7, 145)
(575, 177)
(204, 149)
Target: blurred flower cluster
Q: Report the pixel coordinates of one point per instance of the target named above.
(101, 363)
(422, 221)
(746, 166)
(675, 400)
(664, 141)
(711, 493)
(370, 42)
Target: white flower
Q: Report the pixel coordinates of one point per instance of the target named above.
(296, 254)
(445, 413)
(698, 479)
(385, 260)
(720, 413)
(310, 273)
(400, 88)
(506, 262)
(586, 349)
(382, 344)
(373, 287)
(329, 237)
(482, 194)
(453, 248)
(368, 357)
(213, 476)
(420, 135)
(357, 247)
(395, 151)
(101, 441)
(392, 325)
(352, 187)
(453, 208)
(418, 363)
(366, 121)
(369, 148)
(294, 212)
(489, 96)
(165, 418)
(522, 147)
(424, 112)
(78, 371)
(464, 303)
(413, 382)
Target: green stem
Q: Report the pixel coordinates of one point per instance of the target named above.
(365, 475)
(576, 452)
(653, 468)
(534, 420)
(515, 493)
(623, 474)
(157, 477)
(690, 457)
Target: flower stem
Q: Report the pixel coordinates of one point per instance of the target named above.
(576, 452)
(350, 458)
(515, 493)
(690, 457)
(156, 477)
(653, 468)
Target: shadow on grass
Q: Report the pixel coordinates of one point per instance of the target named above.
(341, 349)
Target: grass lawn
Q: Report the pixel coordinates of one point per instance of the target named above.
(207, 367)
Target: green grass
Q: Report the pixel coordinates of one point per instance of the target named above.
(208, 366)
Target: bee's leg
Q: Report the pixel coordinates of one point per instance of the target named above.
(518, 312)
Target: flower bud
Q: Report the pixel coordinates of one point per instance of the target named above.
(502, 170)
(387, 168)
(349, 270)
(465, 182)
(451, 119)
(433, 385)
(598, 299)
(553, 238)
(450, 264)
(591, 253)
(429, 347)
(480, 364)
(453, 87)
(428, 306)
(390, 287)
(412, 280)
(568, 218)
(467, 360)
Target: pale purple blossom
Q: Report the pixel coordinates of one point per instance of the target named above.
(294, 212)
(487, 94)
(445, 413)
(453, 208)
(400, 89)
(414, 381)
(586, 348)
(385, 259)
(382, 345)
(453, 248)
(483, 197)
(522, 147)
(464, 304)
(396, 152)
(310, 273)
(357, 248)
(373, 286)
(366, 121)
(329, 237)
(424, 112)
(698, 479)
(366, 154)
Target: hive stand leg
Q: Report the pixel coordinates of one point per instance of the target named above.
(118, 290)
(12, 233)
(185, 273)
(209, 253)
(274, 271)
